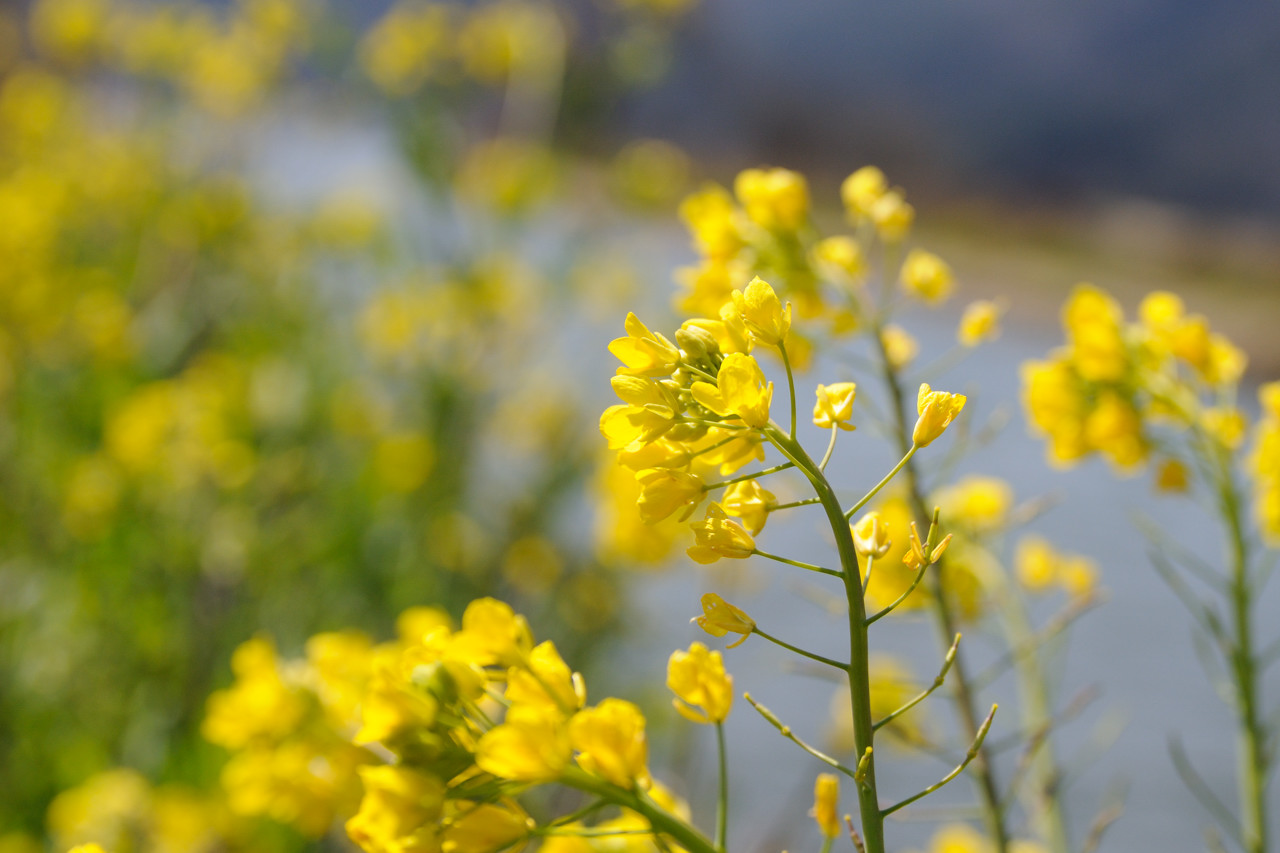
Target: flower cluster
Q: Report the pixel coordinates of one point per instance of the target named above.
(1114, 382)
(1265, 462)
(428, 742)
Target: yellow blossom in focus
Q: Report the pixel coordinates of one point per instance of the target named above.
(900, 348)
(980, 322)
(763, 312)
(834, 406)
(719, 617)
(717, 536)
(610, 742)
(742, 390)
(776, 199)
(750, 502)
(937, 409)
(531, 745)
(861, 190)
(871, 536)
(666, 491)
(644, 353)
(826, 804)
(545, 683)
(926, 276)
(704, 691)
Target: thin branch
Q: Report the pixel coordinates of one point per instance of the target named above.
(968, 757)
(786, 732)
(797, 563)
(880, 485)
(924, 567)
(843, 667)
(1201, 790)
(924, 694)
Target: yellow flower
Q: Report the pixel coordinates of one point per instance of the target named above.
(980, 504)
(1115, 428)
(842, 254)
(871, 536)
(492, 633)
(1093, 325)
(611, 743)
(900, 347)
(710, 214)
(861, 190)
(469, 827)
(1172, 476)
(644, 353)
(545, 683)
(704, 691)
(531, 745)
(835, 405)
(664, 491)
(1036, 564)
(926, 276)
(1056, 405)
(717, 536)
(1226, 425)
(742, 391)
(980, 322)
(1078, 576)
(959, 838)
(763, 312)
(719, 617)
(749, 501)
(776, 199)
(258, 705)
(398, 812)
(892, 216)
(826, 805)
(1269, 399)
(937, 409)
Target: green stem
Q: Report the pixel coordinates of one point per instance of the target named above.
(859, 678)
(906, 458)
(843, 667)
(1253, 756)
(791, 386)
(659, 818)
(962, 695)
(1039, 796)
(831, 447)
(974, 749)
(792, 504)
(722, 805)
(767, 471)
(797, 563)
(871, 620)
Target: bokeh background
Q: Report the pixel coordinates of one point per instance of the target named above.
(303, 309)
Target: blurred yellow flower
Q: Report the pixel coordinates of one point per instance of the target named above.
(704, 691)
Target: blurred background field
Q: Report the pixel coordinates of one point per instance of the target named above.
(303, 309)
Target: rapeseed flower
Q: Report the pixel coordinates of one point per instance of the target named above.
(719, 536)
(704, 691)
(719, 617)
